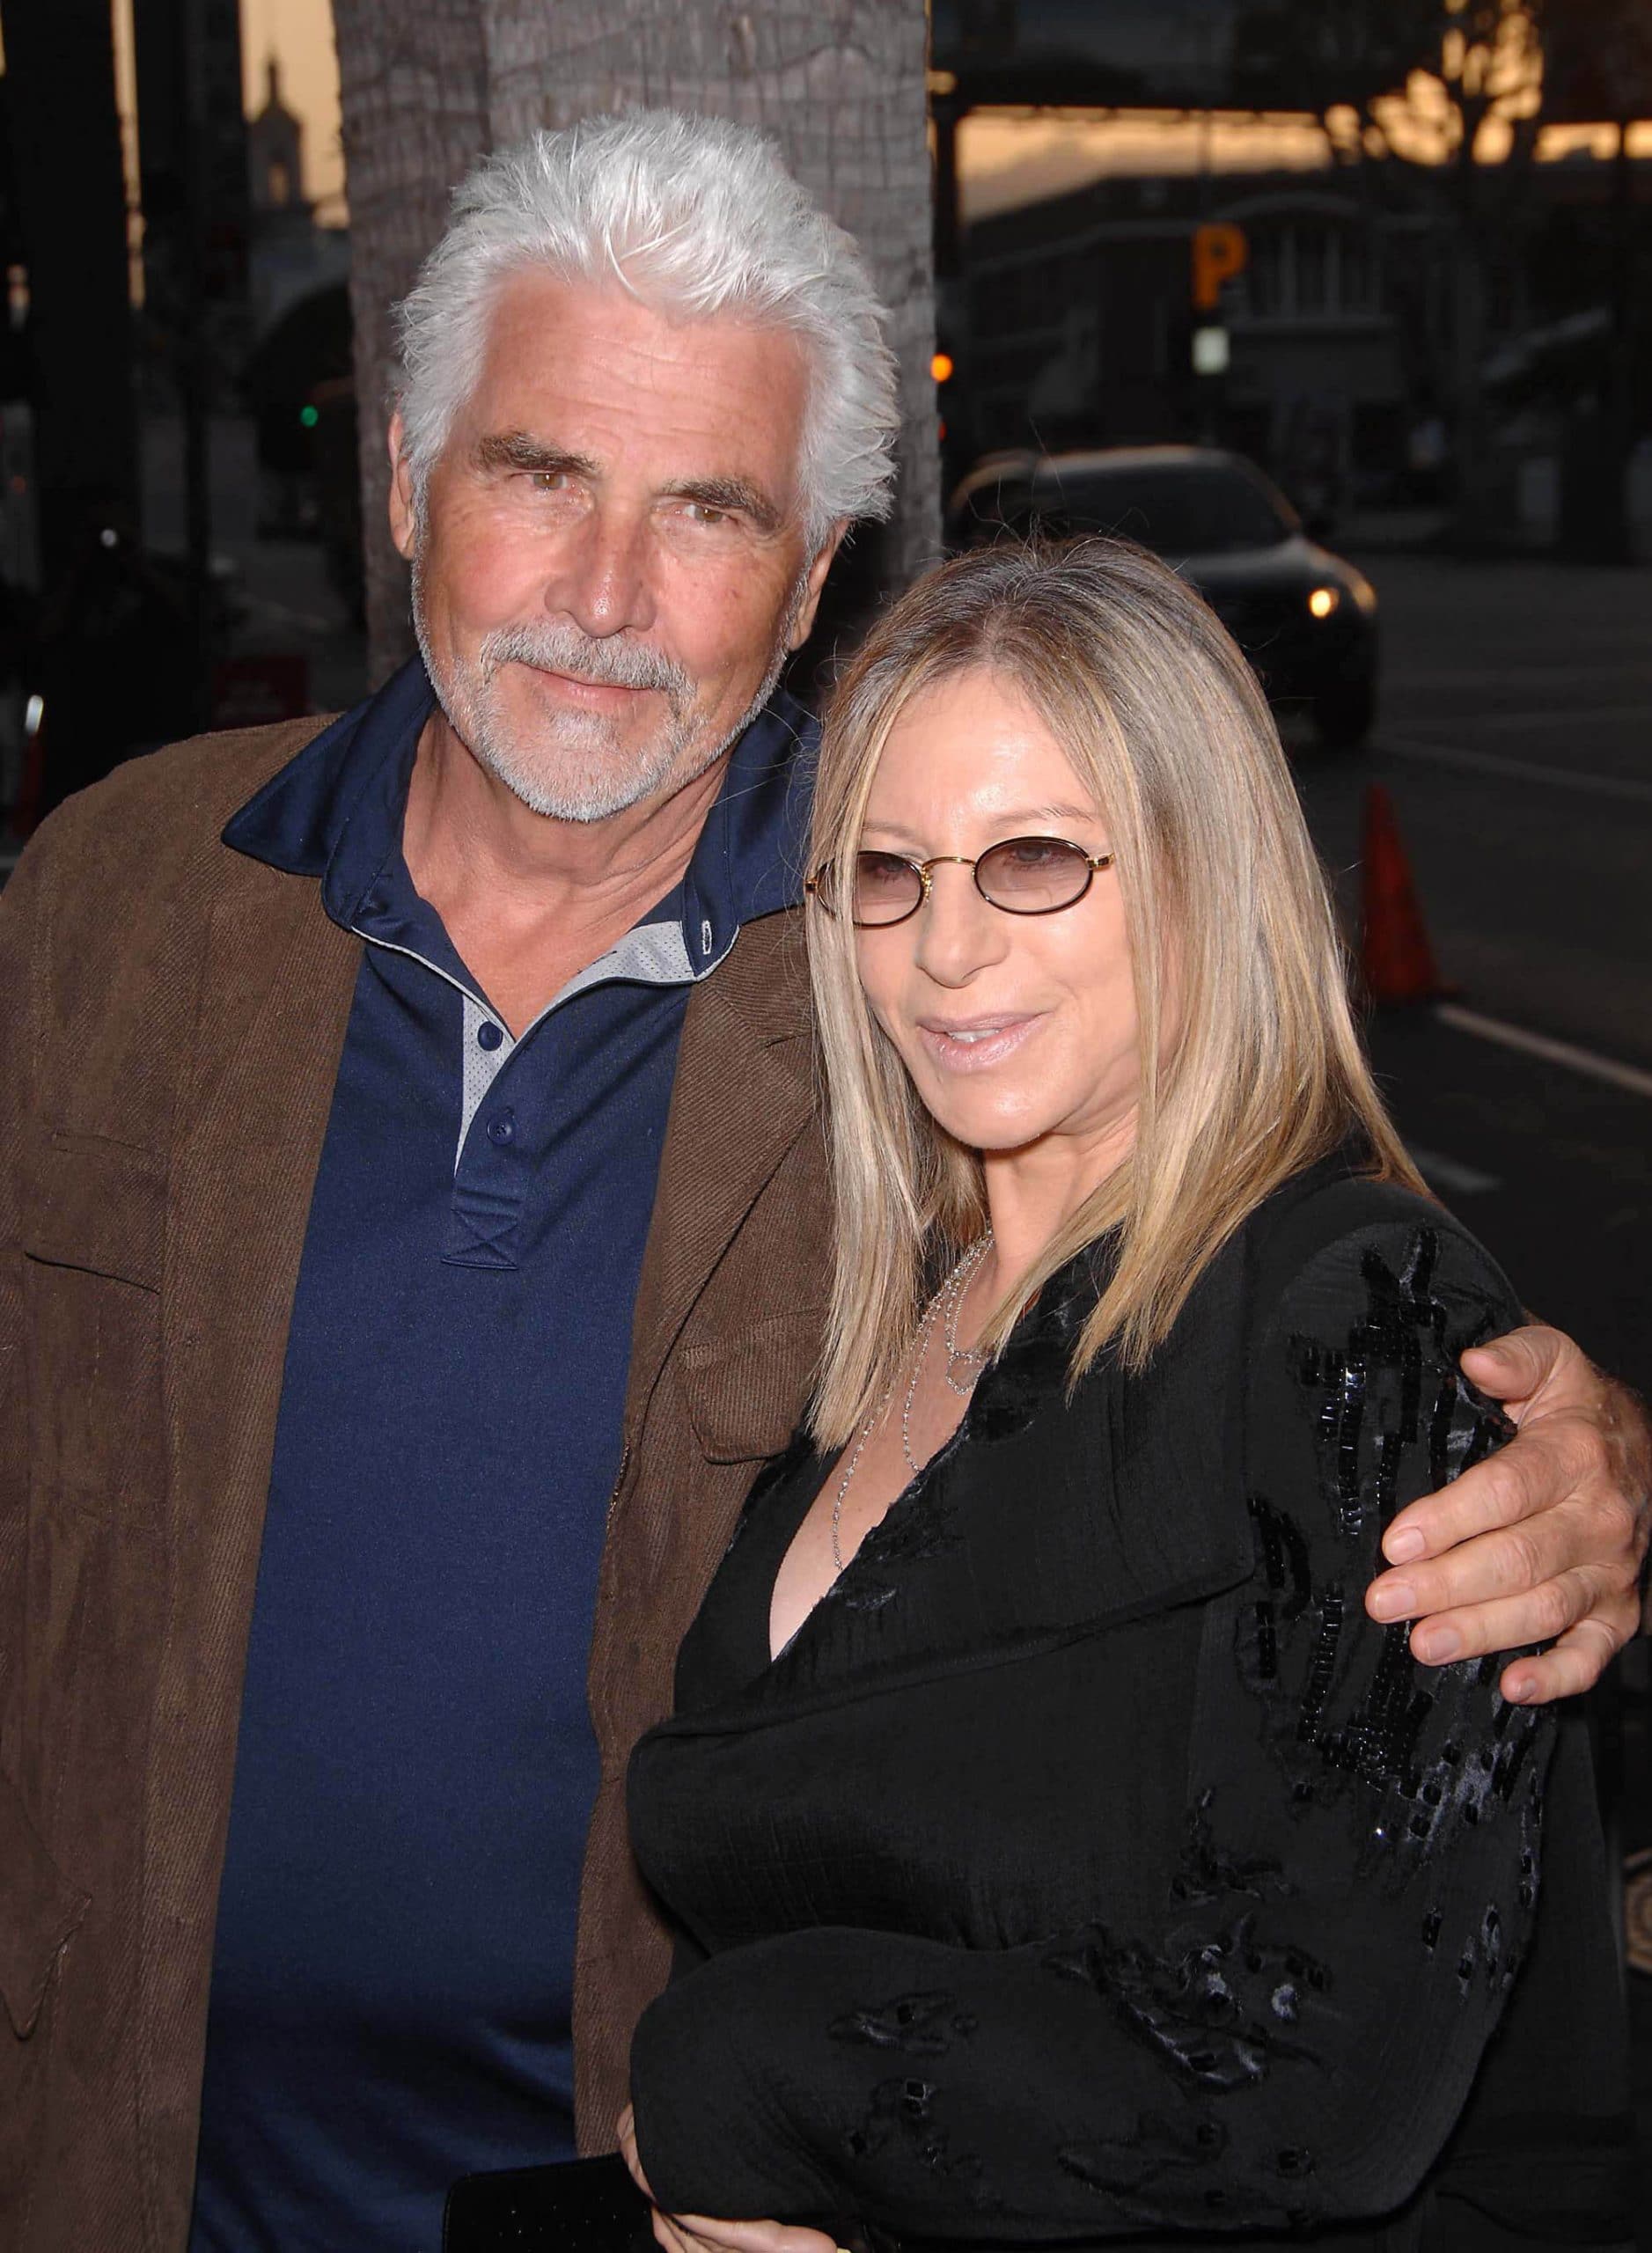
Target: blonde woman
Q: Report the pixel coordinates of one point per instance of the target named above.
(1062, 1853)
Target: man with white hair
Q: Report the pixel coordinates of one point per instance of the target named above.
(413, 1235)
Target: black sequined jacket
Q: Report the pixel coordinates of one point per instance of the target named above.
(1089, 1867)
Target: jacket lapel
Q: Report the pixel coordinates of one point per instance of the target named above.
(743, 1092)
(742, 1100)
(275, 999)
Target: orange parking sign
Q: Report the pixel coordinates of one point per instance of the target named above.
(1219, 252)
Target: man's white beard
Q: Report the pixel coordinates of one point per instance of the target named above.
(581, 769)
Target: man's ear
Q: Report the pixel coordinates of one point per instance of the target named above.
(814, 579)
(403, 514)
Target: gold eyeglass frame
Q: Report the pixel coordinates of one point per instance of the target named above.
(1094, 863)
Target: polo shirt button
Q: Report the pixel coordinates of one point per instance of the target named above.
(501, 1128)
(488, 1036)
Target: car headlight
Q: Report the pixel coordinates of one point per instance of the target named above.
(1323, 600)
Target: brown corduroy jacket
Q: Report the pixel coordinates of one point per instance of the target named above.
(170, 1019)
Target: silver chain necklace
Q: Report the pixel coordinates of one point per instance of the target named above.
(944, 1307)
(971, 1359)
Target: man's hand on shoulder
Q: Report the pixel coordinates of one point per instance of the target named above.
(1545, 1541)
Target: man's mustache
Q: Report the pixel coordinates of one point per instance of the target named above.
(612, 664)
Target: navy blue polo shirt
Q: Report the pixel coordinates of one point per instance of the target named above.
(392, 1981)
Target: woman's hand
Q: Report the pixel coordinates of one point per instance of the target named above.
(1544, 1539)
(694, 2234)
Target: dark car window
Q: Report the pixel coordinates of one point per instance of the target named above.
(1204, 511)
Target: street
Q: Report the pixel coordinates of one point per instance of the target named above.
(1515, 739)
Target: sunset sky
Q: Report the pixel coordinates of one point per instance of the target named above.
(1003, 159)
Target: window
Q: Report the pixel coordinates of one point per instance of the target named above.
(1309, 268)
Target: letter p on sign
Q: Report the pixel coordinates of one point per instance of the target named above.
(1219, 252)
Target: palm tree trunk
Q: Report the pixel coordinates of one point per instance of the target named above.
(412, 77)
(839, 85)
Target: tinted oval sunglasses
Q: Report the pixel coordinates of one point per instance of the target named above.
(1024, 876)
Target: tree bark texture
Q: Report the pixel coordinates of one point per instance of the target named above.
(429, 85)
(414, 81)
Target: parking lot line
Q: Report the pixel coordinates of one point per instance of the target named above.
(1581, 715)
(1450, 1174)
(1628, 1076)
(1519, 770)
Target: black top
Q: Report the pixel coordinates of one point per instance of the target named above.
(1089, 1866)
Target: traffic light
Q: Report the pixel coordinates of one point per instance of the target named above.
(941, 373)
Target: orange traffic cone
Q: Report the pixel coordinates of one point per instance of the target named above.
(1395, 956)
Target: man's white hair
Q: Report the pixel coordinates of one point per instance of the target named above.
(697, 217)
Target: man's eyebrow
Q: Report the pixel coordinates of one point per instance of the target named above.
(734, 495)
(516, 449)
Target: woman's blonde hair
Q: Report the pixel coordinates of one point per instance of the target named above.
(1251, 1066)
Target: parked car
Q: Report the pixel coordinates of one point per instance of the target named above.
(1306, 618)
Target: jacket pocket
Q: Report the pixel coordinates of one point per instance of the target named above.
(93, 1238)
(746, 1391)
(39, 1912)
(96, 1205)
